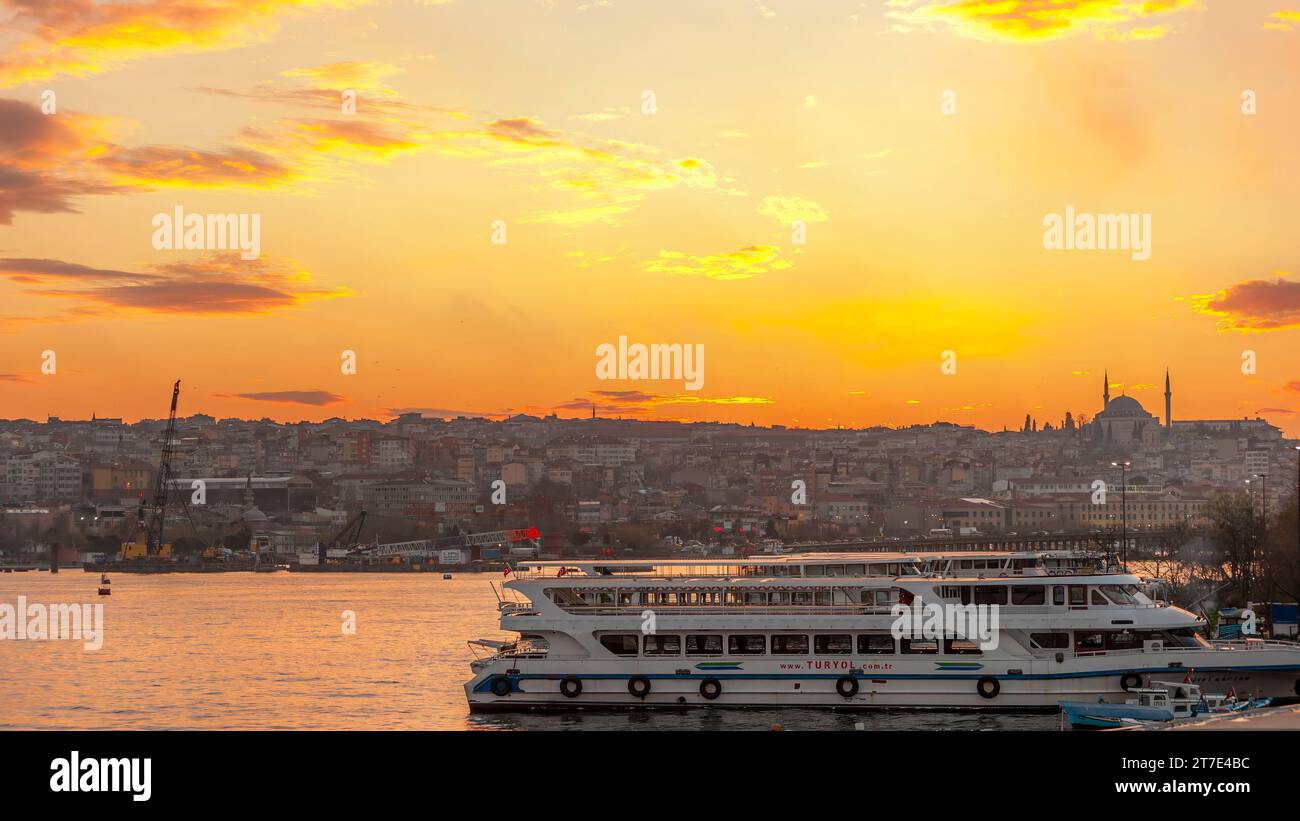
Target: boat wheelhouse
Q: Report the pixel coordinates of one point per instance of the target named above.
(822, 629)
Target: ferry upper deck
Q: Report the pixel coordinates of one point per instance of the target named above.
(823, 565)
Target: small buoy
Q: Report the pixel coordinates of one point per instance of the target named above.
(105, 591)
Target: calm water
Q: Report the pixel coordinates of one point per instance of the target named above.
(267, 651)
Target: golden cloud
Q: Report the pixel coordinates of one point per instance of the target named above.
(86, 38)
(788, 209)
(747, 262)
(1284, 20)
(1036, 20)
(626, 402)
(347, 75)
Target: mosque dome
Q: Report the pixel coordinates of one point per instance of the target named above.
(1122, 407)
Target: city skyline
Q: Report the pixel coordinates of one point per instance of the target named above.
(920, 147)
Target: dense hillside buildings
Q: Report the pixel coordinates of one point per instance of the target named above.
(637, 482)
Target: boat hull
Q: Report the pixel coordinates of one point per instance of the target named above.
(1024, 685)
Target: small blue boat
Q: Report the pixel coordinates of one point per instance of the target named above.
(1163, 701)
(1084, 715)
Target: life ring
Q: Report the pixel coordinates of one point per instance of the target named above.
(638, 686)
(846, 686)
(988, 687)
(571, 687)
(1130, 681)
(710, 688)
(501, 686)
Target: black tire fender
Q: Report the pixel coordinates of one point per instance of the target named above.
(638, 686)
(1130, 681)
(501, 686)
(710, 688)
(571, 686)
(988, 687)
(846, 686)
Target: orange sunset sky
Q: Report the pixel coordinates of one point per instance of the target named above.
(924, 227)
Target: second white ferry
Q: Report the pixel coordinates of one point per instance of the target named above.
(817, 630)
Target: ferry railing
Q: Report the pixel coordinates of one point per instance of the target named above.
(1213, 647)
(1253, 644)
(727, 609)
(511, 608)
(818, 609)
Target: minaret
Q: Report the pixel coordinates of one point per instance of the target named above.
(1105, 390)
(1168, 403)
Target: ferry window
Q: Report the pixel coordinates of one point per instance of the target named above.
(1118, 594)
(929, 646)
(814, 570)
(875, 644)
(663, 645)
(1184, 637)
(961, 647)
(1097, 598)
(1121, 640)
(823, 598)
(988, 594)
(1050, 641)
(780, 597)
(756, 598)
(834, 570)
(707, 645)
(856, 569)
(886, 598)
(1089, 642)
(789, 645)
(832, 645)
(746, 645)
(1058, 596)
(1028, 594)
(1078, 596)
(620, 644)
(801, 597)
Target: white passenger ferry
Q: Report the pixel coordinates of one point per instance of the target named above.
(815, 630)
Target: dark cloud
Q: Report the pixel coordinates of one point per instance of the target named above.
(31, 270)
(215, 284)
(444, 413)
(1254, 305)
(296, 397)
(523, 130)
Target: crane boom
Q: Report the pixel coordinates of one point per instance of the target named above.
(159, 508)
